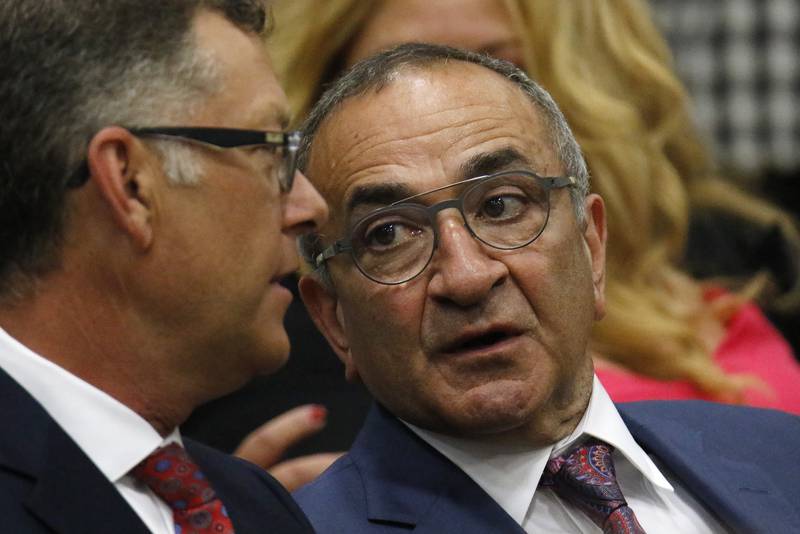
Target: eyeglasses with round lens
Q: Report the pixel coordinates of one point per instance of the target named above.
(506, 210)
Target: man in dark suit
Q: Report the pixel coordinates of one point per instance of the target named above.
(148, 211)
(459, 278)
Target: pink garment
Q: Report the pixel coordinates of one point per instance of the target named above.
(751, 345)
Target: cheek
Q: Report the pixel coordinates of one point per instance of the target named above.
(382, 324)
(386, 312)
(558, 285)
(254, 251)
(256, 221)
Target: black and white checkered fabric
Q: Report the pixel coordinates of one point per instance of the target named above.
(740, 60)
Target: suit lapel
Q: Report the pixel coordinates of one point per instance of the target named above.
(68, 493)
(408, 483)
(72, 495)
(708, 465)
(248, 511)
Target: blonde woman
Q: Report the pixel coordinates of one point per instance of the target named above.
(666, 334)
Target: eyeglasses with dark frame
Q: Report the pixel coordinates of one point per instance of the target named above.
(285, 144)
(394, 244)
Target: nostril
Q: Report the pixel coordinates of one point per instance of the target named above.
(499, 282)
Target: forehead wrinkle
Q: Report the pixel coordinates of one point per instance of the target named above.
(406, 92)
(358, 155)
(359, 160)
(517, 148)
(376, 142)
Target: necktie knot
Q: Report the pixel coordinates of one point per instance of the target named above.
(177, 480)
(584, 476)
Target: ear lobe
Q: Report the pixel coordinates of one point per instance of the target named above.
(323, 307)
(117, 168)
(595, 236)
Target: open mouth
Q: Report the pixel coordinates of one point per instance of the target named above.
(481, 341)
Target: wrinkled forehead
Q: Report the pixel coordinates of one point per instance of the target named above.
(429, 126)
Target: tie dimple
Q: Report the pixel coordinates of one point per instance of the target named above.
(585, 477)
(178, 481)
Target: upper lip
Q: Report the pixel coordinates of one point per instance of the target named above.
(490, 334)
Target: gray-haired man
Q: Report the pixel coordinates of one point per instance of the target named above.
(148, 209)
(459, 278)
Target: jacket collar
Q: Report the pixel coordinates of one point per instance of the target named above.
(408, 482)
(694, 440)
(68, 492)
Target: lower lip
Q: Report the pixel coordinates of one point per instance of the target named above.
(501, 347)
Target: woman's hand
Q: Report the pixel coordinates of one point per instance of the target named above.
(266, 445)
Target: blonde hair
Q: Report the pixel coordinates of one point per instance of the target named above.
(610, 71)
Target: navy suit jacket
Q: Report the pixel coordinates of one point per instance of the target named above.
(741, 463)
(48, 485)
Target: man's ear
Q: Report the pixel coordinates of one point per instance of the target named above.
(323, 307)
(595, 238)
(118, 167)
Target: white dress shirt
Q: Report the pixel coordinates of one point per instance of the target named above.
(511, 476)
(113, 436)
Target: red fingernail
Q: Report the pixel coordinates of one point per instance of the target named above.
(318, 413)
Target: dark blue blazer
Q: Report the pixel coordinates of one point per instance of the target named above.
(741, 463)
(48, 485)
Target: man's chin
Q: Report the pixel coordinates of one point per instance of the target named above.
(273, 361)
(267, 353)
(492, 409)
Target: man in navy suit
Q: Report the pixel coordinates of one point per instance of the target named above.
(148, 212)
(459, 278)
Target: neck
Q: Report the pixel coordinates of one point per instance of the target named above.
(563, 412)
(96, 337)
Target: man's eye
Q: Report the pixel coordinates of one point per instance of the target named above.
(383, 235)
(266, 158)
(269, 149)
(388, 235)
(502, 207)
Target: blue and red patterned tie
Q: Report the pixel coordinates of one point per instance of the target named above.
(178, 481)
(585, 477)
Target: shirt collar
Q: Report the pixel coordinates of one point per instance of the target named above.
(602, 421)
(510, 475)
(112, 435)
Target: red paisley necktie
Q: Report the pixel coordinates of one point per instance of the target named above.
(178, 481)
(585, 477)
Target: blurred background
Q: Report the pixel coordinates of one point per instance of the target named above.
(740, 61)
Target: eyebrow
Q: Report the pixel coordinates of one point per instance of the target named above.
(491, 162)
(478, 165)
(377, 194)
(283, 119)
(276, 113)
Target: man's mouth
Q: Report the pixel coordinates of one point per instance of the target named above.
(479, 341)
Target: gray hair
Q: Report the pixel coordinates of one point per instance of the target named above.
(73, 67)
(380, 70)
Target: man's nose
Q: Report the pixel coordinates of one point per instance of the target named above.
(463, 273)
(304, 209)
